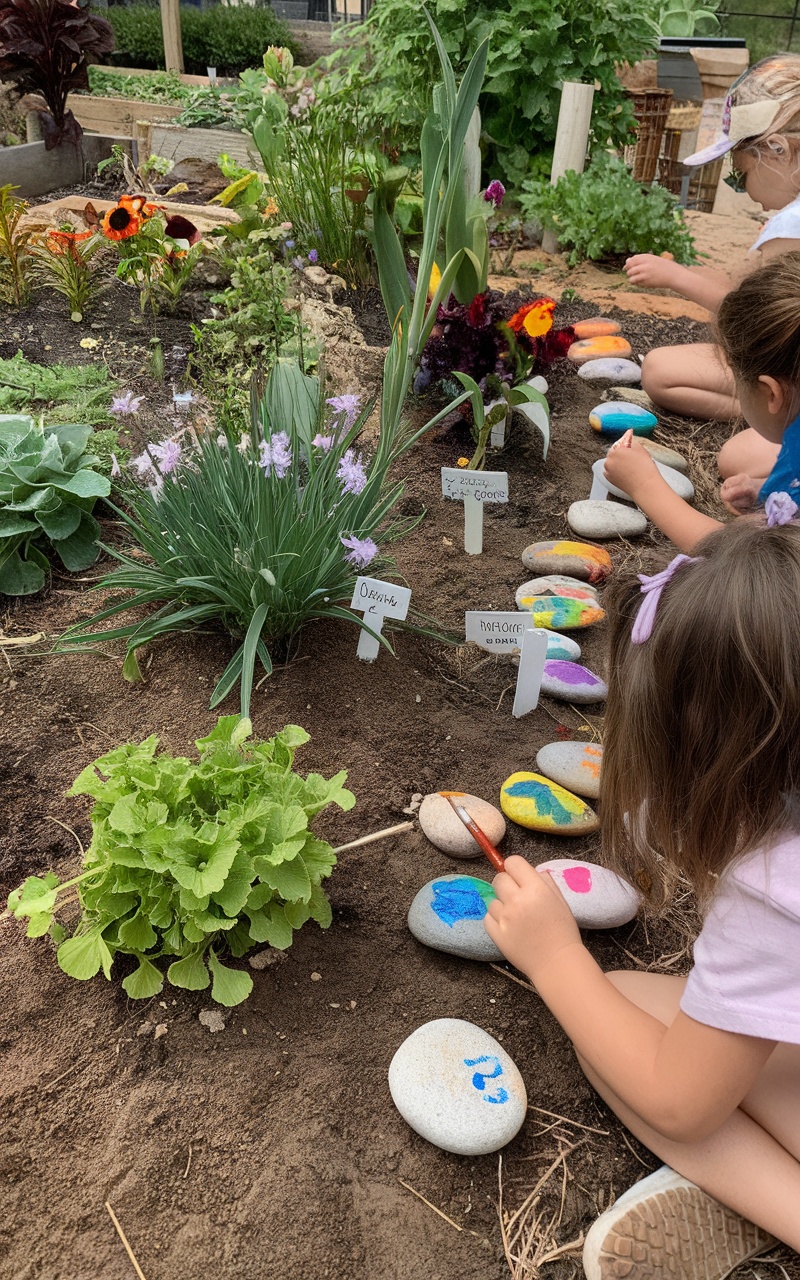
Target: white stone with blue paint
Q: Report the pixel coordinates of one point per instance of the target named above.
(572, 683)
(447, 914)
(611, 369)
(458, 1088)
(614, 417)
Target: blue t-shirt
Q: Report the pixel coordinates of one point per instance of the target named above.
(785, 475)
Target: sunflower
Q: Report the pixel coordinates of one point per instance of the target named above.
(535, 318)
(126, 218)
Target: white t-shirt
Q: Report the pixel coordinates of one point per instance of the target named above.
(783, 225)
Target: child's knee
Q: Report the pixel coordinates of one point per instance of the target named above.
(658, 373)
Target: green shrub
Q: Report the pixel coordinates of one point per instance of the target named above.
(603, 213)
(159, 86)
(229, 39)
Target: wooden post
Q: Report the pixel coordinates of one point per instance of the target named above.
(572, 139)
(171, 27)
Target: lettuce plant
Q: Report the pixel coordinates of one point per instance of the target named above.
(191, 859)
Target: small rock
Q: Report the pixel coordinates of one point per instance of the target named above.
(611, 370)
(555, 584)
(316, 977)
(416, 801)
(145, 1029)
(633, 395)
(458, 1088)
(447, 914)
(576, 559)
(572, 683)
(600, 327)
(541, 805)
(603, 519)
(614, 417)
(559, 613)
(574, 765)
(679, 484)
(316, 275)
(213, 1019)
(265, 959)
(161, 1030)
(597, 897)
(602, 348)
(667, 457)
(444, 828)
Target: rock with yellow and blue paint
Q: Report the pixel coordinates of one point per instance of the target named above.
(561, 613)
(535, 802)
(615, 417)
(581, 560)
(447, 914)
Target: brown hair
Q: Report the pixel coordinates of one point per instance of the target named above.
(701, 760)
(758, 323)
(776, 77)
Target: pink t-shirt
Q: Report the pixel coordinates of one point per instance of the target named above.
(746, 975)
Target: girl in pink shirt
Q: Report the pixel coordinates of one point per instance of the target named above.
(701, 779)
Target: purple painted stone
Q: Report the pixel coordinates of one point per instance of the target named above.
(571, 682)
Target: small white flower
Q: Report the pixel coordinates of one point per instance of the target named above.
(244, 442)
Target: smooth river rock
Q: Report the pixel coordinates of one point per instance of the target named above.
(444, 828)
(667, 457)
(633, 395)
(535, 802)
(457, 1087)
(611, 370)
(574, 559)
(447, 914)
(679, 484)
(600, 348)
(599, 518)
(572, 683)
(599, 327)
(614, 417)
(574, 765)
(555, 584)
(597, 897)
(562, 613)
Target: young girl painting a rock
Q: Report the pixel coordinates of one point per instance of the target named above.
(700, 778)
(761, 130)
(758, 330)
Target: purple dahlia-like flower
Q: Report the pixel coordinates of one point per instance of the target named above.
(361, 550)
(325, 443)
(345, 408)
(167, 455)
(351, 473)
(494, 193)
(277, 453)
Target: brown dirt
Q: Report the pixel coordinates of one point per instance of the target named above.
(272, 1149)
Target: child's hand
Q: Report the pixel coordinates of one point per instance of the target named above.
(630, 467)
(740, 493)
(651, 272)
(529, 920)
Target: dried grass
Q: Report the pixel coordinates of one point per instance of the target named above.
(529, 1234)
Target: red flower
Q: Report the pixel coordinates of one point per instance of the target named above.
(535, 318)
(180, 228)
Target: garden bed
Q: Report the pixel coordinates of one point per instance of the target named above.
(272, 1148)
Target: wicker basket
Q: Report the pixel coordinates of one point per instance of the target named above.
(651, 108)
(703, 181)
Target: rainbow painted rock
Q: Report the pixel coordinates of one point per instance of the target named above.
(575, 559)
(616, 416)
(604, 348)
(555, 584)
(574, 765)
(599, 327)
(535, 802)
(572, 683)
(560, 613)
(597, 897)
(447, 914)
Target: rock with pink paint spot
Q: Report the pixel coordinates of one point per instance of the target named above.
(597, 897)
(571, 682)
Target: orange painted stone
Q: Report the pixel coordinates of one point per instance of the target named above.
(597, 328)
(599, 349)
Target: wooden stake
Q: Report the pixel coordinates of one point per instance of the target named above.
(572, 139)
(377, 835)
(124, 1240)
(171, 27)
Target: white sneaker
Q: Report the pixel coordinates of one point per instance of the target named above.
(666, 1228)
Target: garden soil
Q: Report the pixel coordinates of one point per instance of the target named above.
(271, 1150)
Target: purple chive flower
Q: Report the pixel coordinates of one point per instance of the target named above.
(494, 193)
(325, 443)
(313, 256)
(167, 455)
(351, 473)
(288, 244)
(345, 407)
(142, 464)
(277, 453)
(298, 263)
(127, 403)
(361, 550)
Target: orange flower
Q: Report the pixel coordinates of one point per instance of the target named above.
(536, 318)
(139, 205)
(120, 223)
(64, 241)
(270, 209)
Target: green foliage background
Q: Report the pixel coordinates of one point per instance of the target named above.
(229, 39)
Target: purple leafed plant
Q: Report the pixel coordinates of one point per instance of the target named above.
(45, 48)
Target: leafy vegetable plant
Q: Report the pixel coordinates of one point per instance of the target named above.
(48, 487)
(192, 859)
(602, 213)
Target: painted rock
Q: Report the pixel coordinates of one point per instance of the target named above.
(597, 897)
(679, 484)
(457, 1087)
(616, 416)
(561, 613)
(574, 765)
(597, 328)
(611, 370)
(603, 519)
(445, 829)
(562, 647)
(555, 584)
(604, 348)
(577, 559)
(572, 683)
(667, 457)
(541, 805)
(447, 914)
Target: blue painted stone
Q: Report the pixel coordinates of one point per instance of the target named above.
(617, 416)
(447, 914)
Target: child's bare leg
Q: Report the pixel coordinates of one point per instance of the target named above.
(752, 1163)
(693, 380)
(747, 453)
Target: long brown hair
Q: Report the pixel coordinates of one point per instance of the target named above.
(758, 324)
(701, 761)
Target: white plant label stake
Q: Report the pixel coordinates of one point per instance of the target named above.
(377, 600)
(474, 488)
(513, 633)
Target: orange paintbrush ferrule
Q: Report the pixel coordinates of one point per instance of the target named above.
(481, 839)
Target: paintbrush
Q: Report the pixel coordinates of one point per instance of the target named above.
(480, 837)
(625, 441)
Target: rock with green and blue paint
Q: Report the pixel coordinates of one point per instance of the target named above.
(570, 682)
(562, 613)
(447, 914)
(615, 417)
(535, 802)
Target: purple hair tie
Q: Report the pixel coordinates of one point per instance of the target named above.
(651, 590)
(779, 509)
